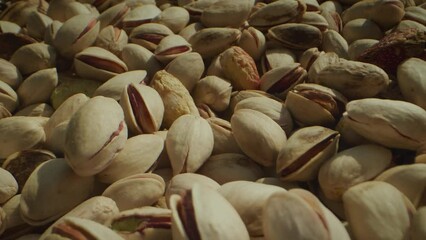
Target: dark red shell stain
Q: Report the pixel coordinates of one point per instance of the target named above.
(286, 81)
(102, 64)
(175, 50)
(187, 215)
(89, 27)
(150, 37)
(139, 109)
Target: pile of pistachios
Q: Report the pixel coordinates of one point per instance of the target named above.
(213, 119)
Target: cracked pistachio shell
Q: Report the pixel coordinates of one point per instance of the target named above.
(308, 57)
(4, 113)
(138, 190)
(392, 123)
(8, 185)
(171, 47)
(409, 179)
(196, 8)
(297, 36)
(298, 214)
(20, 133)
(411, 80)
(201, 210)
(75, 227)
(98, 64)
(229, 167)
(99, 209)
(224, 141)
(37, 24)
(214, 92)
(253, 42)
(258, 136)
(377, 210)
(356, 48)
(334, 42)
(210, 42)
(112, 39)
(34, 57)
(277, 12)
(313, 104)
(175, 18)
(352, 166)
(318, 62)
(139, 58)
(8, 97)
(52, 190)
(139, 155)
(143, 108)
(138, 15)
(315, 19)
(188, 68)
(418, 228)
(36, 110)
(38, 87)
(361, 28)
(95, 134)
(10, 74)
(114, 15)
(240, 68)
(281, 80)
(305, 151)
(249, 198)
(76, 34)
(224, 13)
(276, 110)
(149, 35)
(277, 57)
(176, 98)
(189, 143)
(115, 85)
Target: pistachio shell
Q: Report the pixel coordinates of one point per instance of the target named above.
(149, 35)
(418, 230)
(357, 47)
(138, 15)
(298, 36)
(36, 110)
(334, 42)
(8, 97)
(282, 79)
(10, 74)
(410, 75)
(38, 87)
(277, 57)
(213, 91)
(34, 57)
(140, 58)
(8, 186)
(188, 68)
(37, 24)
(114, 15)
(175, 18)
(112, 39)
(226, 13)
(13, 219)
(209, 42)
(253, 42)
(361, 29)
(224, 141)
(171, 47)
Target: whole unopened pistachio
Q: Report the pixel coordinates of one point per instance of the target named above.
(258, 136)
(139, 58)
(357, 47)
(411, 75)
(51, 31)
(361, 28)
(210, 42)
(10, 74)
(175, 18)
(191, 29)
(418, 229)
(8, 97)
(188, 68)
(95, 135)
(8, 185)
(297, 36)
(34, 57)
(213, 91)
(38, 87)
(37, 24)
(224, 13)
(334, 42)
(12, 221)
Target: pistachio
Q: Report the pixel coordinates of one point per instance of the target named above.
(334, 42)
(277, 57)
(224, 13)
(297, 36)
(8, 97)
(51, 31)
(34, 57)
(315, 19)
(140, 58)
(10, 74)
(190, 30)
(37, 24)
(417, 230)
(36, 110)
(410, 74)
(149, 35)
(282, 79)
(361, 28)
(357, 47)
(175, 18)
(253, 42)
(112, 39)
(38, 87)
(8, 186)
(139, 15)
(113, 15)
(171, 47)
(9, 27)
(213, 91)
(209, 42)
(188, 68)
(224, 141)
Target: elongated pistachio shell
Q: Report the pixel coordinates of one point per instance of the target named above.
(361, 28)
(369, 217)
(101, 117)
(189, 143)
(171, 47)
(34, 57)
(188, 68)
(213, 91)
(139, 58)
(253, 42)
(8, 185)
(38, 87)
(20, 133)
(224, 141)
(37, 24)
(258, 136)
(357, 47)
(10, 74)
(305, 151)
(115, 85)
(380, 121)
(9, 27)
(199, 215)
(112, 39)
(334, 42)
(149, 35)
(226, 13)
(175, 18)
(138, 15)
(113, 15)
(209, 42)
(176, 98)
(277, 57)
(8, 97)
(191, 29)
(298, 36)
(137, 190)
(51, 31)
(13, 217)
(364, 162)
(36, 110)
(418, 229)
(52, 190)
(280, 80)
(139, 155)
(410, 75)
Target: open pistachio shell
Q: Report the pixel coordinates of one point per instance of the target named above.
(38, 87)
(101, 117)
(277, 57)
(253, 42)
(171, 47)
(280, 80)
(13, 222)
(149, 35)
(37, 24)
(8, 185)
(210, 42)
(114, 15)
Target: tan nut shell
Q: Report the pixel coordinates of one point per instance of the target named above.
(209, 42)
(8, 185)
(38, 87)
(188, 68)
(224, 13)
(411, 80)
(36, 110)
(8, 97)
(10, 74)
(214, 92)
(34, 57)
(139, 58)
(115, 85)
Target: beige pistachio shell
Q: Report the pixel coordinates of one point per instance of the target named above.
(2, 220)
(229, 167)
(253, 42)
(315, 19)
(334, 42)
(210, 42)
(277, 111)
(361, 28)
(138, 15)
(406, 24)
(297, 36)
(188, 68)
(163, 160)
(214, 92)
(277, 57)
(34, 57)
(318, 61)
(409, 179)
(175, 18)
(38, 87)
(9, 27)
(36, 110)
(139, 58)
(369, 217)
(149, 35)
(20, 133)
(224, 141)
(224, 13)
(137, 190)
(249, 198)
(207, 220)
(352, 166)
(274, 181)
(143, 108)
(76, 34)
(13, 217)
(305, 151)
(176, 98)
(171, 47)
(8, 97)
(10, 74)
(357, 47)
(98, 64)
(115, 85)
(380, 121)
(308, 57)
(348, 135)
(8, 185)
(51, 31)
(282, 79)
(114, 15)
(52, 190)
(112, 39)
(410, 75)
(418, 229)
(139, 155)
(4, 113)
(37, 24)
(101, 117)
(258, 136)
(191, 29)
(189, 143)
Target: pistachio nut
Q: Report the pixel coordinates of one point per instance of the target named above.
(277, 57)
(149, 35)
(258, 136)
(176, 98)
(315, 19)
(196, 8)
(51, 31)
(4, 113)
(10, 74)
(36, 110)
(356, 48)
(417, 229)
(139, 15)
(334, 20)
(214, 92)
(38, 87)
(8, 186)
(175, 18)
(139, 58)
(188, 68)
(11, 42)
(189, 143)
(215, 68)
(406, 24)
(133, 158)
(46, 197)
(210, 42)
(37, 24)
(224, 13)
(410, 75)
(365, 162)
(334, 42)
(98, 64)
(101, 117)
(238, 96)
(8, 97)
(305, 151)
(369, 218)
(281, 80)
(112, 39)
(20, 133)
(253, 42)
(34, 57)
(18, 12)
(12, 223)
(9, 27)
(361, 28)
(224, 141)
(312, 104)
(171, 47)
(249, 198)
(114, 15)
(229, 167)
(191, 29)
(274, 181)
(297, 36)
(415, 13)
(137, 190)
(348, 135)
(198, 214)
